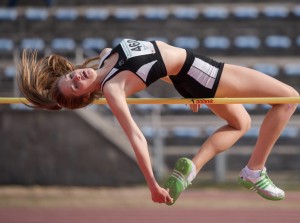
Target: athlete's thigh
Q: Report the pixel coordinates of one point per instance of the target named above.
(234, 114)
(237, 81)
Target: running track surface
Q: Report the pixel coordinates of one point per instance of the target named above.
(146, 216)
(212, 206)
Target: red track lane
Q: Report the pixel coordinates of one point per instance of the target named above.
(147, 216)
(133, 205)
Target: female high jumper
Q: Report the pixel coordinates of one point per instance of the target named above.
(54, 83)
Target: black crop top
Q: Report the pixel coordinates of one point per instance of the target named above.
(140, 57)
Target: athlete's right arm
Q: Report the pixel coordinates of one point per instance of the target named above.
(117, 102)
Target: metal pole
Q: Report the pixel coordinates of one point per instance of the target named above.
(158, 143)
(220, 167)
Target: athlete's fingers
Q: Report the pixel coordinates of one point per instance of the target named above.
(195, 107)
(169, 198)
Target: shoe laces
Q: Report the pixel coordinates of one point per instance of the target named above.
(264, 175)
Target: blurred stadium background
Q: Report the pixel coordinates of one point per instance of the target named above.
(87, 147)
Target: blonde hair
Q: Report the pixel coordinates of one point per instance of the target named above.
(38, 81)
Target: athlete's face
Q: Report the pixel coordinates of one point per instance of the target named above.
(78, 83)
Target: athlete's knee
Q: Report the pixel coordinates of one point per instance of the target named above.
(243, 123)
(289, 91)
(291, 107)
(294, 93)
(246, 125)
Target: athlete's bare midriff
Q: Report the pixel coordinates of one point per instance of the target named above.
(173, 57)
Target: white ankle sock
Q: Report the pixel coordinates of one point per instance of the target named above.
(252, 173)
(192, 174)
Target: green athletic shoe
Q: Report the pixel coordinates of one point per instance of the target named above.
(261, 185)
(177, 182)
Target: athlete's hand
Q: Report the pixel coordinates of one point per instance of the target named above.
(195, 107)
(161, 195)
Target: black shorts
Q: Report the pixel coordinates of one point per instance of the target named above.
(199, 77)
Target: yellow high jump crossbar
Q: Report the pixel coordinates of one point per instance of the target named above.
(267, 100)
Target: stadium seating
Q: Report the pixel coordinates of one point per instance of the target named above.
(33, 44)
(188, 42)
(276, 12)
(252, 132)
(215, 13)
(250, 107)
(186, 13)
(40, 14)
(270, 69)
(247, 42)
(278, 41)
(6, 45)
(216, 42)
(246, 12)
(292, 69)
(298, 41)
(156, 13)
(64, 46)
(148, 132)
(68, 14)
(10, 72)
(185, 132)
(94, 44)
(178, 108)
(105, 3)
(290, 132)
(126, 14)
(144, 108)
(8, 14)
(159, 38)
(98, 14)
(296, 11)
(6, 49)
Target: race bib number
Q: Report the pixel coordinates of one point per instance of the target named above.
(134, 48)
